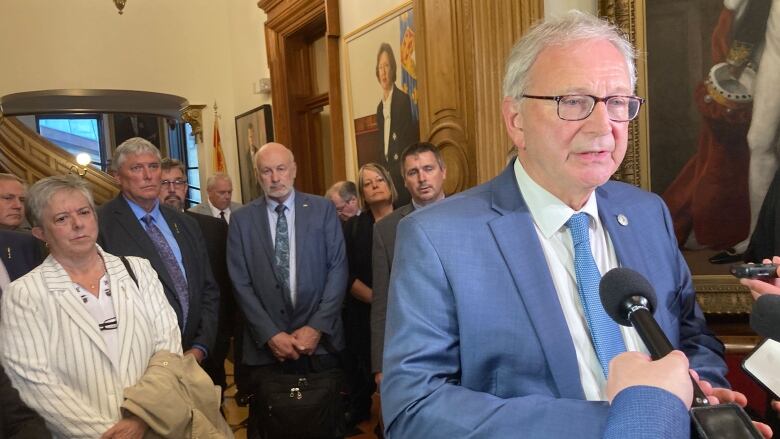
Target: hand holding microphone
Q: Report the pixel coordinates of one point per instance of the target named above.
(670, 373)
(630, 300)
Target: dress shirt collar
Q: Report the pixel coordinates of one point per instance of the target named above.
(547, 210)
(289, 202)
(139, 211)
(215, 212)
(387, 103)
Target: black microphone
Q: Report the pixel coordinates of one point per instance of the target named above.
(630, 300)
(765, 317)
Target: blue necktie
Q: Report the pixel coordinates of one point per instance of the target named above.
(171, 264)
(603, 330)
(282, 248)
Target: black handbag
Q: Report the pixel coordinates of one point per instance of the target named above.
(302, 405)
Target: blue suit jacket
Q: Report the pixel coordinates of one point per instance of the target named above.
(476, 342)
(321, 275)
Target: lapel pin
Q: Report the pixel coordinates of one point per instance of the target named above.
(395, 137)
(395, 157)
(8, 249)
(305, 205)
(176, 227)
(622, 220)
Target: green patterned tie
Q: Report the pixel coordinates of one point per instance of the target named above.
(282, 248)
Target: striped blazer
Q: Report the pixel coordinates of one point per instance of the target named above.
(55, 356)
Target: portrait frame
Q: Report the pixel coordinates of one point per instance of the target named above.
(254, 128)
(363, 90)
(718, 293)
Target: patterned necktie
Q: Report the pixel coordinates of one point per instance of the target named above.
(282, 247)
(171, 264)
(605, 333)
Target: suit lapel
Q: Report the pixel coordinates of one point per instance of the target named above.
(303, 220)
(61, 287)
(617, 221)
(184, 241)
(516, 237)
(266, 242)
(264, 230)
(126, 219)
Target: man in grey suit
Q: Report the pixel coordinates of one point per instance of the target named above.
(287, 261)
(135, 223)
(219, 188)
(424, 172)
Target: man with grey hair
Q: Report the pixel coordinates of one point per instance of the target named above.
(344, 196)
(288, 265)
(494, 323)
(12, 193)
(135, 223)
(219, 188)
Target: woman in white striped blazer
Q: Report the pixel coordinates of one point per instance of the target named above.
(78, 329)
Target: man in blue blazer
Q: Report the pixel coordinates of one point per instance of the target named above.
(490, 332)
(287, 261)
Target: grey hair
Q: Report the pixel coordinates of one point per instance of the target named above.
(40, 194)
(346, 190)
(11, 177)
(572, 26)
(133, 146)
(212, 180)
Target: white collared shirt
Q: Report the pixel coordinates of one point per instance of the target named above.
(101, 308)
(290, 214)
(215, 212)
(386, 109)
(550, 215)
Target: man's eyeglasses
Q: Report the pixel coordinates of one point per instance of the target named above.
(579, 107)
(175, 183)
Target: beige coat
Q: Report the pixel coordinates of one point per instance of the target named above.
(177, 400)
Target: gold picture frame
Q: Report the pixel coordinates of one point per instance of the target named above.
(364, 94)
(716, 293)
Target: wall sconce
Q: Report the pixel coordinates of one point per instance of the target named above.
(83, 159)
(120, 5)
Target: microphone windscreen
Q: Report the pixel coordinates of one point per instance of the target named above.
(765, 317)
(617, 288)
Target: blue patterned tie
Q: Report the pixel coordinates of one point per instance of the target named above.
(282, 248)
(603, 330)
(171, 264)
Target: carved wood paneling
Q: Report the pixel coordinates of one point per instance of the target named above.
(290, 26)
(25, 154)
(461, 48)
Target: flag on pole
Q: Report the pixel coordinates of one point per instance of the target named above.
(219, 157)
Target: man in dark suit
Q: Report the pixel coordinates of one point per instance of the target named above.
(424, 173)
(12, 194)
(173, 193)
(19, 253)
(135, 224)
(287, 262)
(397, 128)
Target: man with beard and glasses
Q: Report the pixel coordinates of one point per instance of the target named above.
(173, 193)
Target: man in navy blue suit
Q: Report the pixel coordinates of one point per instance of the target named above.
(492, 329)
